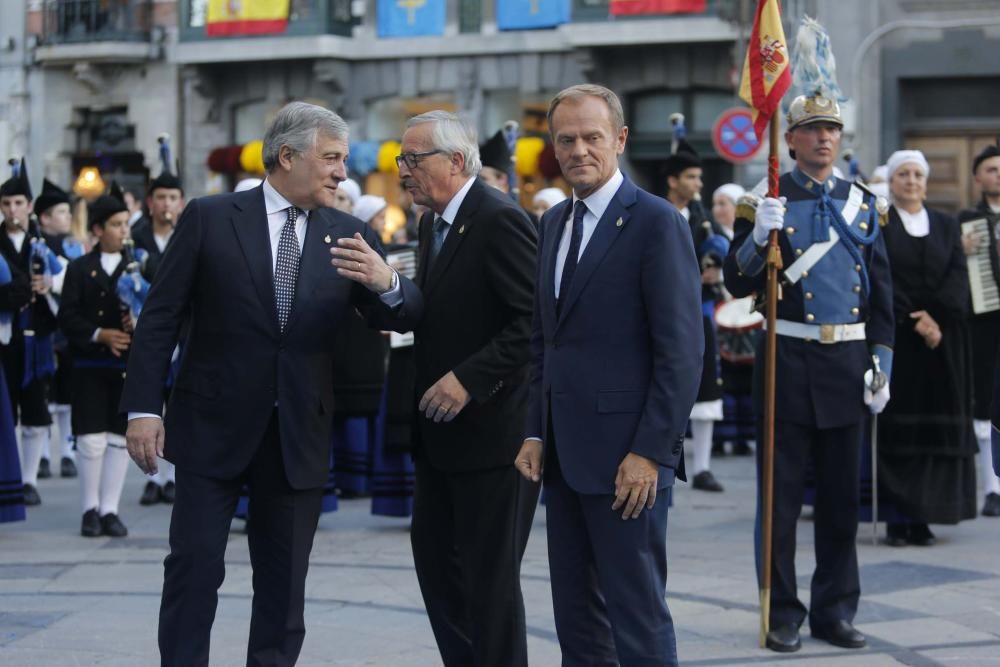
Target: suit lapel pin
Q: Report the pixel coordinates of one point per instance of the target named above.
(619, 223)
(461, 230)
(327, 238)
(93, 274)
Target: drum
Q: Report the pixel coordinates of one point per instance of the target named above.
(739, 328)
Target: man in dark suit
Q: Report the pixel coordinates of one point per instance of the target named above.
(254, 395)
(472, 510)
(617, 348)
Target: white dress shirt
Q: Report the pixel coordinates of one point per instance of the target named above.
(17, 239)
(597, 203)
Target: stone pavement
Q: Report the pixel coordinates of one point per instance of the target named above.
(67, 600)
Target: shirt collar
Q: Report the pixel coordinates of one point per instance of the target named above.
(274, 202)
(599, 200)
(451, 210)
(811, 184)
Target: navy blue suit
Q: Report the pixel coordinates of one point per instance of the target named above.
(252, 405)
(616, 372)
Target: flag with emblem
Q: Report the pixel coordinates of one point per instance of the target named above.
(636, 7)
(528, 14)
(767, 72)
(246, 17)
(410, 18)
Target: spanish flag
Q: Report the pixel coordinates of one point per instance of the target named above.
(636, 7)
(767, 72)
(246, 17)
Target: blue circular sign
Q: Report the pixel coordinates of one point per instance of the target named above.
(733, 135)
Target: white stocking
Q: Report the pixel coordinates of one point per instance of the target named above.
(116, 463)
(991, 483)
(33, 439)
(92, 448)
(701, 441)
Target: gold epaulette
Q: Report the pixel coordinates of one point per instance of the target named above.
(881, 203)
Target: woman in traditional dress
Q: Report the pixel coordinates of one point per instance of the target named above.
(925, 438)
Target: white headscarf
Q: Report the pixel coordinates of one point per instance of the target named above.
(368, 206)
(247, 184)
(730, 190)
(351, 189)
(899, 158)
(551, 196)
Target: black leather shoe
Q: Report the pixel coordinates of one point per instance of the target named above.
(168, 493)
(840, 634)
(705, 481)
(896, 534)
(920, 535)
(150, 494)
(91, 524)
(67, 468)
(992, 505)
(112, 526)
(31, 496)
(44, 470)
(784, 639)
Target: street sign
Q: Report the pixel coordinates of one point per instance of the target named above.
(733, 135)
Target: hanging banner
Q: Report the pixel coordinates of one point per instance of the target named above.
(246, 17)
(634, 7)
(528, 14)
(410, 18)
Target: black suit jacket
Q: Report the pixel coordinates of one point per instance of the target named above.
(142, 234)
(236, 364)
(477, 321)
(89, 302)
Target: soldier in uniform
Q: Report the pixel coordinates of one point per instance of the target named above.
(165, 202)
(98, 328)
(52, 206)
(27, 353)
(985, 326)
(834, 314)
(682, 172)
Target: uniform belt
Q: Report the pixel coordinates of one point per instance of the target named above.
(821, 333)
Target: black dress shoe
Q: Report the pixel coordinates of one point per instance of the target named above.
(112, 526)
(920, 535)
(705, 481)
(150, 494)
(896, 534)
(91, 524)
(840, 633)
(44, 470)
(67, 468)
(31, 496)
(168, 493)
(784, 639)
(992, 505)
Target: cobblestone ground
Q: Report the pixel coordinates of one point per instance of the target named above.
(66, 600)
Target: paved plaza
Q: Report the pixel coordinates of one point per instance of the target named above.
(67, 600)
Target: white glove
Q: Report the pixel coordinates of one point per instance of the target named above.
(770, 215)
(876, 401)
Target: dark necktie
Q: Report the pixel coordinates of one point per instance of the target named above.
(572, 256)
(440, 232)
(286, 270)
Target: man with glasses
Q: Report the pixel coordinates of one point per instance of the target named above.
(472, 510)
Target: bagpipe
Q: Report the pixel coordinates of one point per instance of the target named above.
(132, 288)
(39, 352)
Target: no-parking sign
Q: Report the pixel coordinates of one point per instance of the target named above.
(733, 135)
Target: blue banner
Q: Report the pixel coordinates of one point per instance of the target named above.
(527, 14)
(410, 18)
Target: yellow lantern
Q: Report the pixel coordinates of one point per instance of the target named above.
(526, 153)
(89, 183)
(252, 157)
(387, 153)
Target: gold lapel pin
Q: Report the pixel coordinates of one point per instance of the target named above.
(93, 274)
(327, 238)
(619, 223)
(461, 230)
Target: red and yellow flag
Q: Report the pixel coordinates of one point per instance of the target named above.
(767, 71)
(635, 7)
(246, 17)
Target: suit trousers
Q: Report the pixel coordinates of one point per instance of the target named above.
(834, 455)
(609, 577)
(280, 537)
(469, 533)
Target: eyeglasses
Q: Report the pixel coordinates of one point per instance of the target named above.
(413, 159)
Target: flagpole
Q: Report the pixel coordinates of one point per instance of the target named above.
(771, 343)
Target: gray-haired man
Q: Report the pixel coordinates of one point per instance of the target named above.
(252, 403)
(472, 510)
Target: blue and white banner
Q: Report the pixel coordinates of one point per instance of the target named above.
(528, 14)
(410, 18)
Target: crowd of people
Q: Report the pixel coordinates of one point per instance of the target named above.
(473, 352)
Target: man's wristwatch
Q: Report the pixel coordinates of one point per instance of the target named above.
(393, 281)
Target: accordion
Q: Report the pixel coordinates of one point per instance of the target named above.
(983, 264)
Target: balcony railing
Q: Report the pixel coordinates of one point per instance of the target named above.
(78, 21)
